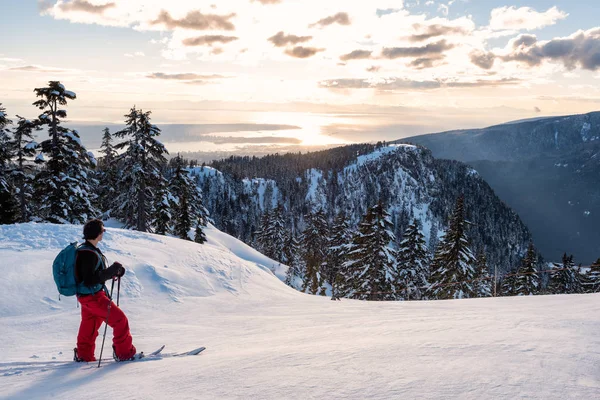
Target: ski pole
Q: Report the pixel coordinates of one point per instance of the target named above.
(118, 289)
(112, 286)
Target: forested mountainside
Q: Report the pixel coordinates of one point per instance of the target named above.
(407, 180)
(547, 170)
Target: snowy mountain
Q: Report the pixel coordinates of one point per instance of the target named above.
(266, 340)
(410, 182)
(545, 169)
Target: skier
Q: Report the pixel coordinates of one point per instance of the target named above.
(91, 273)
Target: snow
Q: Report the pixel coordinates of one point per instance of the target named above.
(585, 130)
(360, 160)
(31, 146)
(265, 340)
(314, 177)
(40, 157)
(72, 136)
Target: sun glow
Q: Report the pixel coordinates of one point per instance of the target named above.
(311, 126)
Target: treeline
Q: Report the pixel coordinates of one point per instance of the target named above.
(57, 180)
(371, 264)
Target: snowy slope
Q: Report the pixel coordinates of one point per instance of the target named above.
(267, 341)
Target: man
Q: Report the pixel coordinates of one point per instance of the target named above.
(91, 273)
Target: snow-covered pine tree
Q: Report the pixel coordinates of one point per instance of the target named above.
(107, 171)
(413, 264)
(161, 213)
(527, 281)
(593, 278)
(64, 186)
(483, 279)
(508, 284)
(293, 255)
(371, 265)
(188, 210)
(566, 278)
(199, 235)
(455, 263)
(24, 148)
(315, 240)
(263, 233)
(341, 237)
(279, 233)
(140, 169)
(8, 205)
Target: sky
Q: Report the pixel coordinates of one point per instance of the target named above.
(288, 73)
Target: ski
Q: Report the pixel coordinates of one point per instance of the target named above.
(10, 368)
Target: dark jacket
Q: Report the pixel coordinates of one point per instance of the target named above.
(85, 266)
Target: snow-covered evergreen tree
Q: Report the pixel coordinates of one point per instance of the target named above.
(188, 210)
(527, 281)
(199, 235)
(163, 203)
(315, 241)
(8, 205)
(413, 264)
(593, 278)
(140, 169)
(63, 187)
(508, 284)
(24, 148)
(455, 263)
(483, 280)
(566, 277)
(293, 255)
(279, 233)
(371, 266)
(262, 234)
(341, 238)
(107, 171)
(272, 234)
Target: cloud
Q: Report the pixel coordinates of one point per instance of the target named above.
(45, 5)
(85, 6)
(427, 50)
(208, 40)
(374, 68)
(537, 109)
(182, 76)
(387, 11)
(341, 18)
(195, 20)
(425, 62)
(37, 68)
(404, 84)
(524, 41)
(581, 49)
(435, 31)
(524, 18)
(483, 60)
(281, 39)
(302, 52)
(253, 140)
(266, 2)
(136, 54)
(357, 55)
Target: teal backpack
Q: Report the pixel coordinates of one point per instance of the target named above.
(63, 269)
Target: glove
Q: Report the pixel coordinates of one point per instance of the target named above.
(117, 270)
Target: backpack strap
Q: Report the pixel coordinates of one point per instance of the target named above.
(99, 264)
(85, 247)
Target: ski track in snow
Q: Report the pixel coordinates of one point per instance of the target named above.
(265, 340)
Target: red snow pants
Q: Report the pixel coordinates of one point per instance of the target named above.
(94, 308)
